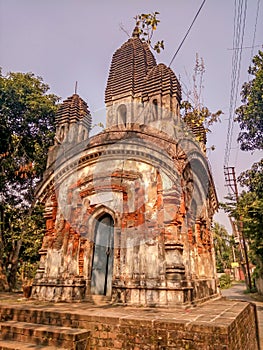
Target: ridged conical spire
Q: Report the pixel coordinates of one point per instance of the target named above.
(162, 80)
(130, 64)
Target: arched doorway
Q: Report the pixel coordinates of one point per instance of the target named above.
(102, 262)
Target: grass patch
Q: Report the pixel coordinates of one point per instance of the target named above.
(225, 281)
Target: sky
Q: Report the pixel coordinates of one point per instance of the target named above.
(65, 41)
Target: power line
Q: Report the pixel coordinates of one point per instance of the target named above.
(244, 47)
(239, 60)
(233, 79)
(187, 32)
(239, 29)
(254, 34)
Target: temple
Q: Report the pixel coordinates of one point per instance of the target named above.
(128, 211)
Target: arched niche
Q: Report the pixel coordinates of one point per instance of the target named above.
(61, 133)
(155, 109)
(122, 114)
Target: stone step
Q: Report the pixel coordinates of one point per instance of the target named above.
(100, 299)
(38, 316)
(46, 335)
(15, 345)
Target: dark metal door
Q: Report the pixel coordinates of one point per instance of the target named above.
(102, 264)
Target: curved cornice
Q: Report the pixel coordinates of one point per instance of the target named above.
(140, 143)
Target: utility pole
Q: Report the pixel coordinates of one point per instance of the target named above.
(231, 183)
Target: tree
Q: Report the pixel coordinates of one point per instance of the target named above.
(249, 206)
(223, 243)
(250, 209)
(22, 232)
(27, 115)
(27, 125)
(253, 179)
(146, 24)
(250, 113)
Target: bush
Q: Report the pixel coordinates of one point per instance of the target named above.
(224, 281)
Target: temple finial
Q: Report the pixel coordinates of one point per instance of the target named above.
(76, 87)
(136, 32)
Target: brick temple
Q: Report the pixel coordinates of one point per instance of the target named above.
(128, 211)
